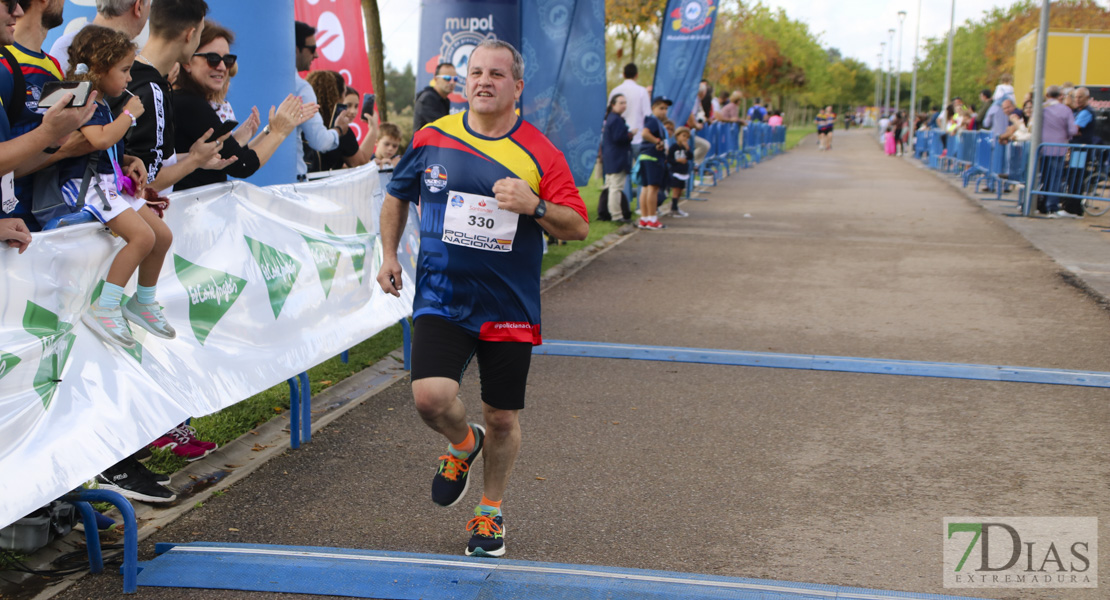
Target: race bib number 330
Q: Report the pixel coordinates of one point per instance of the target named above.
(476, 222)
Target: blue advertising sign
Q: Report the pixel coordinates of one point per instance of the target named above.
(451, 29)
(683, 50)
(563, 44)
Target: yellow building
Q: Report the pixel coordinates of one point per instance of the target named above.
(1076, 55)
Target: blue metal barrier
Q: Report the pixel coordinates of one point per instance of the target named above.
(81, 498)
(1072, 172)
(983, 145)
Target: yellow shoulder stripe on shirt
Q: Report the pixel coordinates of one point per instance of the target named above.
(43, 63)
(503, 151)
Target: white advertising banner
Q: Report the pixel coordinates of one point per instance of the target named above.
(260, 284)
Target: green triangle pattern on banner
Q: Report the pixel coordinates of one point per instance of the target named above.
(357, 250)
(326, 257)
(137, 351)
(211, 294)
(279, 270)
(7, 363)
(57, 342)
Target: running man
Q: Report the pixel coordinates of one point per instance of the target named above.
(490, 185)
(826, 122)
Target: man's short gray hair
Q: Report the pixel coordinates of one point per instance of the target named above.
(518, 60)
(114, 8)
(1052, 91)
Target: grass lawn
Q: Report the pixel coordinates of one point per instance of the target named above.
(795, 135)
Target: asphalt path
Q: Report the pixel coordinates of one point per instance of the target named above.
(833, 478)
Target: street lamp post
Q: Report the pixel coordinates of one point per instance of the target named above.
(898, 71)
(879, 84)
(913, 86)
(890, 67)
(948, 66)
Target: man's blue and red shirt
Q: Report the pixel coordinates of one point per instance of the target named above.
(479, 267)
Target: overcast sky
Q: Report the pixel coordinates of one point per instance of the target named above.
(855, 27)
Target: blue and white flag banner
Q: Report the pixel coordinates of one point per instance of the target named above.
(260, 283)
(451, 29)
(683, 50)
(563, 44)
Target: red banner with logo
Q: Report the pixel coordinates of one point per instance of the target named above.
(340, 42)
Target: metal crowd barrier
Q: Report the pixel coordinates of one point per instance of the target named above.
(1073, 172)
(1076, 174)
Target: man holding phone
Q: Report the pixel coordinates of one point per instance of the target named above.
(26, 152)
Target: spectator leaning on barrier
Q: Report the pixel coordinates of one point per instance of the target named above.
(390, 141)
(329, 94)
(998, 117)
(27, 152)
(985, 104)
(757, 114)
(730, 112)
(202, 77)
(175, 31)
(478, 284)
(318, 136)
(1080, 159)
(638, 99)
(432, 103)
(37, 69)
(125, 16)
(1058, 127)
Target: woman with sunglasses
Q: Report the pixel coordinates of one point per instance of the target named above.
(201, 81)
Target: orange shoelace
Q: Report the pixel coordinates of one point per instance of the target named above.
(453, 466)
(485, 525)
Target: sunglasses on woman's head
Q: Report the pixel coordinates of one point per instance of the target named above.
(214, 59)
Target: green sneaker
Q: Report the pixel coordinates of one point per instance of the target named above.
(109, 324)
(149, 317)
(488, 538)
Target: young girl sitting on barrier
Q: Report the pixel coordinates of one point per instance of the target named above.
(103, 57)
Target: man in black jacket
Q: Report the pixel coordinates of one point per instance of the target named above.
(432, 103)
(175, 28)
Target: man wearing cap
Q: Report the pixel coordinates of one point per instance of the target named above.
(653, 157)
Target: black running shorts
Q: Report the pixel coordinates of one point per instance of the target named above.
(441, 348)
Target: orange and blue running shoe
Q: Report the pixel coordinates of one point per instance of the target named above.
(453, 475)
(488, 538)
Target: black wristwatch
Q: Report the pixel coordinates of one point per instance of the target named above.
(541, 210)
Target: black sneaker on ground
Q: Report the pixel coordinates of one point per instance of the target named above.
(488, 538)
(159, 478)
(452, 478)
(129, 479)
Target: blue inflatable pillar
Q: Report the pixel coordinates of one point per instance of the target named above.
(264, 42)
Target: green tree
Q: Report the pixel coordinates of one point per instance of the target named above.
(631, 19)
(401, 85)
(376, 54)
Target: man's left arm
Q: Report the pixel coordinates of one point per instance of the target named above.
(563, 222)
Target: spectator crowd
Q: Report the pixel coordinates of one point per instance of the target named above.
(99, 129)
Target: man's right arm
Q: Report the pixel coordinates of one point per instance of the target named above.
(394, 216)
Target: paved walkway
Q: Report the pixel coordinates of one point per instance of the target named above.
(835, 478)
